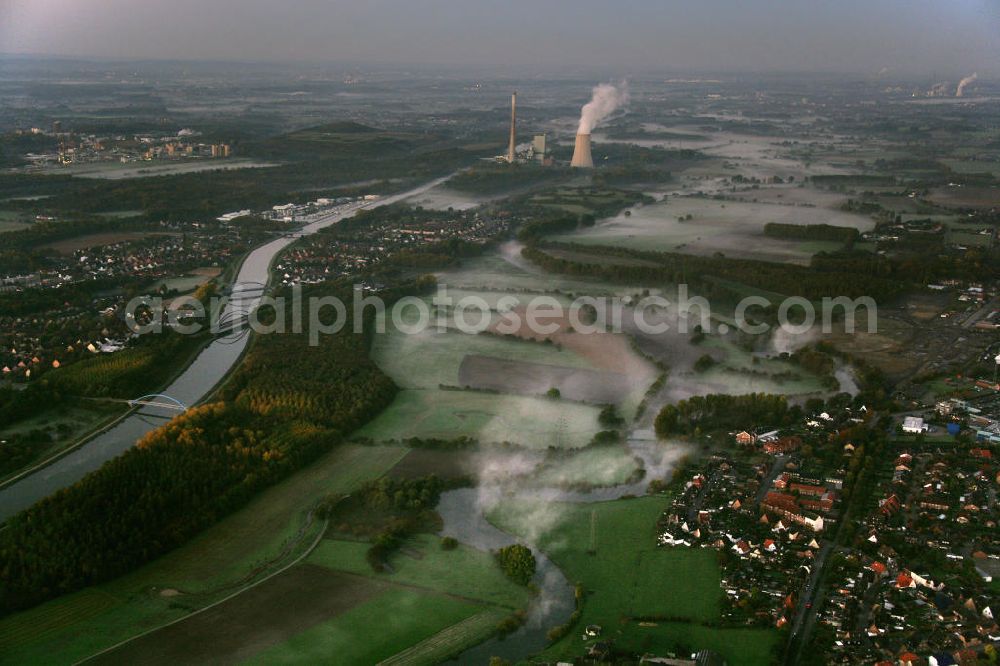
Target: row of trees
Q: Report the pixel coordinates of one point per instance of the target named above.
(809, 282)
(826, 232)
(707, 413)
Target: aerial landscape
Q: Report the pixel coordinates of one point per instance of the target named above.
(351, 333)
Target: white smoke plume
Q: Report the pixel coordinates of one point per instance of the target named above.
(607, 98)
(965, 82)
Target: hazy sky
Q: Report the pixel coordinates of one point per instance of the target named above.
(906, 36)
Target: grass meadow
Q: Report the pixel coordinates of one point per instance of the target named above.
(609, 548)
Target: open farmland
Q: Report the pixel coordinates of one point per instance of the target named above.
(463, 572)
(402, 618)
(12, 220)
(732, 228)
(508, 269)
(270, 531)
(432, 604)
(609, 548)
(119, 171)
(443, 197)
(68, 246)
(432, 357)
(518, 377)
(243, 626)
(528, 421)
(591, 467)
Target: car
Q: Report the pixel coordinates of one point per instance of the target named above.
(809, 605)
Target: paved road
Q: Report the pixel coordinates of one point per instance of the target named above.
(767, 481)
(989, 307)
(805, 616)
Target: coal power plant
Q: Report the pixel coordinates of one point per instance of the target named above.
(606, 99)
(581, 154)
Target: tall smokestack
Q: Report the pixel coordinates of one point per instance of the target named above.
(513, 128)
(581, 154)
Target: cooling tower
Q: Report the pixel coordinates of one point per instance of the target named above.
(581, 155)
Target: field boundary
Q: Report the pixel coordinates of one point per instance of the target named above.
(445, 643)
(298, 560)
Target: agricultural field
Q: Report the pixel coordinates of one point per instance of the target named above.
(744, 372)
(609, 548)
(585, 201)
(12, 220)
(591, 467)
(443, 197)
(119, 171)
(983, 198)
(973, 166)
(443, 463)
(68, 246)
(187, 283)
(405, 620)
(247, 624)
(422, 563)
(432, 357)
(749, 155)
(705, 227)
(490, 418)
(434, 600)
(268, 532)
(509, 377)
(432, 604)
(522, 378)
(509, 269)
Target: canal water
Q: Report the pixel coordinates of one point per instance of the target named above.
(196, 382)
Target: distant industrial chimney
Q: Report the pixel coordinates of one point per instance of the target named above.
(511, 151)
(581, 155)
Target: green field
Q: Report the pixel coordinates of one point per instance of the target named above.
(374, 630)
(464, 571)
(626, 576)
(182, 284)
(13, 220)
(743, 372)
(593, 466)
(438, 602)
(528, 421)
(12, 225)
(493, 270)
(584, 201)
(270, 531)
(431, 358)
(733, 228)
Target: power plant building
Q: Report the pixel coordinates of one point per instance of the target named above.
(538, 147)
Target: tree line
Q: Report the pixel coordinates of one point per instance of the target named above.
(826, 232)
(707, 413)
(676, 268)
(288, 403)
